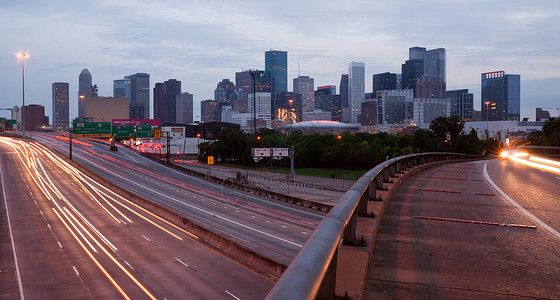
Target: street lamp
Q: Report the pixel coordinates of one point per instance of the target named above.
(487, 133)
(23, 57)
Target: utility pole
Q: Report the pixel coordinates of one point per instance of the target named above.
(253, 73)
(168, 154)
(70, 134)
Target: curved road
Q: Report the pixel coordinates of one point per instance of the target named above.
(448, 233)
(67, 236)
(276, 230)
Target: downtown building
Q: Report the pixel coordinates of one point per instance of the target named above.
(305, 86)
(461, 102)
(84, 90)
(384, 81)
(165, 106)
(184, 108)
(500, 96)
(356, 90)
(276, 63)
(423, 70)
(139, 101)
(60, 105)
(327, 100)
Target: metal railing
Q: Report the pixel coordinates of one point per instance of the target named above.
(311, 275)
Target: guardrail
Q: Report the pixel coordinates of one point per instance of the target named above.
(311, 275)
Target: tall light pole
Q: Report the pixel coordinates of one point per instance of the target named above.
(487, 133)
(253, 75)
(23, 57)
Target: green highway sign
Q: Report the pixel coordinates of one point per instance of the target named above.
(91, 129)
(123, 131)
(144, 130)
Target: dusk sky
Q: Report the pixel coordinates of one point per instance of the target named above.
(202, 42)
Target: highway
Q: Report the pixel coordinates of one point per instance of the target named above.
(66, 236)
(487, 229)
(273, 229)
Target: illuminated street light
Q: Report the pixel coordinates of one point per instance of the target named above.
(23, 57)
(487, 132)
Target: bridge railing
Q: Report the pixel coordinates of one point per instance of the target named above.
(311, 275)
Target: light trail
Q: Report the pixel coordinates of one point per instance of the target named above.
(549, 166)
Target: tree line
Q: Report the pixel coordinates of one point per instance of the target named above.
(348, 150)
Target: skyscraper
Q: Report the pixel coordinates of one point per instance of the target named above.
(121, 88)
(60, 105)
(276, 63)
(184, 108)
(500, 96)
(84, 90)
(435, 63)
(356, 88)
(461, 103)
(140, 96)
(224, 91)
(384, 81)
(412, 70)
(344, 117)
(209, 111)
(304, 86)
(165, 100)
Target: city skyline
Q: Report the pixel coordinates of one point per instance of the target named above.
(205, 45)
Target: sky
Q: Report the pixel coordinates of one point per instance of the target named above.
(202, 42)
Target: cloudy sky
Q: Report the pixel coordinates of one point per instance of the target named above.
(202, 42)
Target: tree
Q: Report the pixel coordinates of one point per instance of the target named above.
(455, 125)
(470, 143)
(440, 127)
(424, 141)
(551, 132)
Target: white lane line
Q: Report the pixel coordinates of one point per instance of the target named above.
(49, 225)
(232, 295)
(126, 262)
(521, 208)
(147, 239)
(302, 221)
(212, 214)
(59, 244)
(18, 276)
(76, 270)
(184, 264)
(557, 177)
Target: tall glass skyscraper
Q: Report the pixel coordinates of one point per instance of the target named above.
(140, 96)
(500, 96)
(305, 86)
(121, 88)
(356, 89)
(165, 100)
(276, 62)
(84, 90)
(60, 105)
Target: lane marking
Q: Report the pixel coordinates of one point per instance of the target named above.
(184, 264)
(126, 262)
(232, 295)
(521, 208)
(76, 270)
(59, 244)
(476, 222)
(147, 239)
(18, 276)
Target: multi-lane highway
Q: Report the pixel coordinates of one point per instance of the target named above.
(273, 229)
(66, 236)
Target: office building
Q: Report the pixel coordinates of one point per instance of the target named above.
(435, 63)
(384, 81)
(394, 106)
(84, 90)
(276, 63)
(369, 113)
(105, 109)
(427, 109)
(430, 87)
(260, 108)
(500, 96)
(289, 107)
(305, 86)
(416, 53)
(121, 88)
(327, 100)
(184, 108)
(60, 105)
(412, 70)
(209, 111)
(34, 115)
(139, 96)
(356, 89)
(164, 100)
(461, 102)
(344, 94)
(224, 92)
(541, 115)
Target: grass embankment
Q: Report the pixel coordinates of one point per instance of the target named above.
(326, 173)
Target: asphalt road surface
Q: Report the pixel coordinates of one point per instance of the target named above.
(273, 229)
(66, 236)
(448, 234)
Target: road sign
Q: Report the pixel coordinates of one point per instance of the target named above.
(210, 160)
(280, 152)
(123, 131)
(91, 129)
(144, 130)
(261, 152)
(157, 133)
